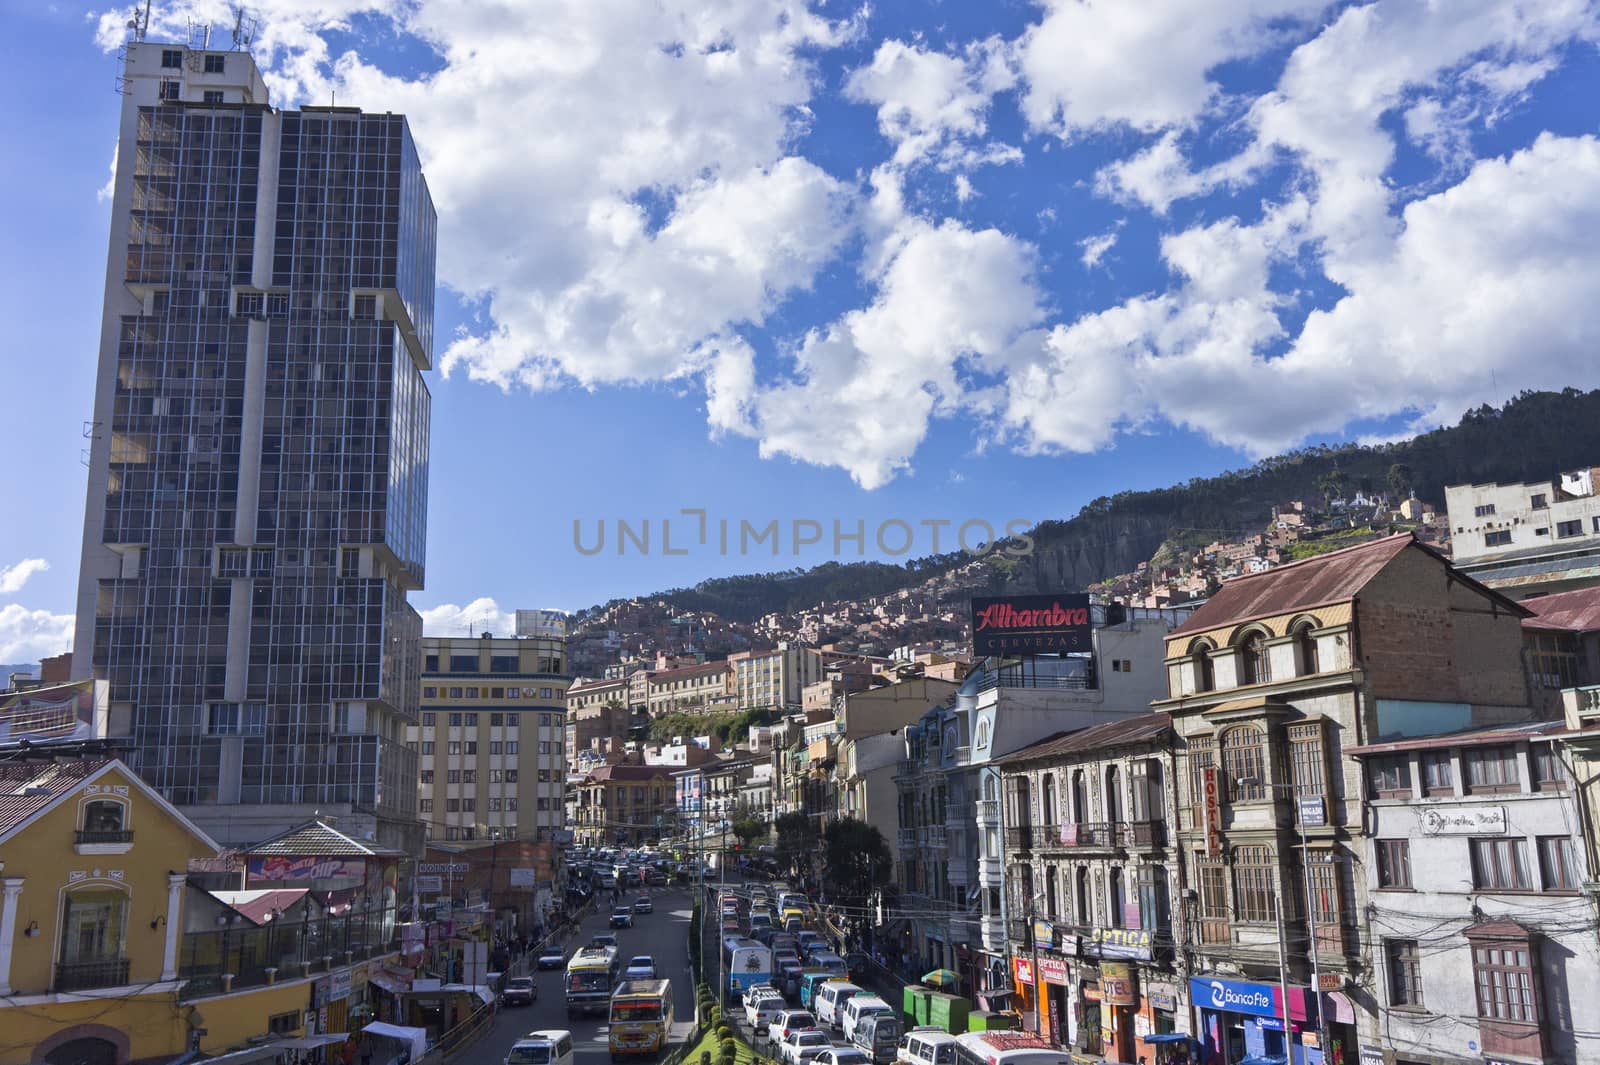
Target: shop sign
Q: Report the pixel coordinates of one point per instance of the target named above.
(443, 868)
(358, 979)
(1031, 624)
(1313, 814)
(1329, 981)
(1024, 970)
(429, 885)
(1044, 932)
(1118, 984)
(1371, 1056)
(1162, 1001)
(339, 986)
(1054, 971)
(1132, 943)
(1213, 808)
(1473, 821)
(1237, 996)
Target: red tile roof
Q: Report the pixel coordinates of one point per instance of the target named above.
(28, 787)
(256, 904)
(628, 772)
(1329, 578)
(1575, 611)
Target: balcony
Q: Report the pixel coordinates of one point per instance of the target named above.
(908, 837)
(933, 836)
(103, 841)
(908, 767)
(963, 755)
(1142, 835)
(988, 811)
(84, 975)
(1582, 702)
(1033, 837)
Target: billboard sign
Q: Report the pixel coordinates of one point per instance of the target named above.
(523, 878)
(551, 624)
(57, 712)
(1134, 943)
(309, 868)
(429, 885)
(1031, 624)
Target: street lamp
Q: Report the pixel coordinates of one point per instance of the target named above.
(1311, 921)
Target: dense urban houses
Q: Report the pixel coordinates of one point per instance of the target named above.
(951, 867)
(1091, 875)
(258, 464)
(623, 804)
(1475, 867)
(776, 678)
(492, 737)
(597, 713)
(703, 688)
(1528, 539)
(1274, 682)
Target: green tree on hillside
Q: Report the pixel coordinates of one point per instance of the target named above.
(1399, 482)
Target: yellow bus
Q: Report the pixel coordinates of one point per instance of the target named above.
(641, 1018)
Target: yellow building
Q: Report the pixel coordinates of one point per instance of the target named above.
(92, 911)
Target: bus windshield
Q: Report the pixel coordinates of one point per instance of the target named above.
(599, 980)
(635, 1011)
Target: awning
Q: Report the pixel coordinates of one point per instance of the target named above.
(417, 1037)
(1171, 1037)
(1263, 1059)
(478, 989)
(388, 983)
(311, 1042)
(264, 1052)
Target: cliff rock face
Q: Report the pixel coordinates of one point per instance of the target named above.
(1083, 552)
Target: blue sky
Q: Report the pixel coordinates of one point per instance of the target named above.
(923, 261)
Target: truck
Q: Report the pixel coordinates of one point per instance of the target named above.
(590, 974)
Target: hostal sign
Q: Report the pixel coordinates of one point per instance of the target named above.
(1031, 625)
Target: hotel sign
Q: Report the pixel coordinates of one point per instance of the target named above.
(1471, 821)
(1031, 624)
(1213, 811)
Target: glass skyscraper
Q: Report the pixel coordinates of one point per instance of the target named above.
(257, 499)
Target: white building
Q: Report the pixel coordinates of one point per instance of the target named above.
(1480, 929)
(1539, 537)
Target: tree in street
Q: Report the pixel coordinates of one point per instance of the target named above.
(855, 860)
(797, 841)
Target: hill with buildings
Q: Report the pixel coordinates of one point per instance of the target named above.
(1154, 547)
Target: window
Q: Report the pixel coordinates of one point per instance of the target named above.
(216, 64)
(1119, 899)
(211, 96)
(1204, 675)
(1545, 531)
(427, 720)
(470, 693)
(455, 719)
(1549, 772)
(1153, 902)
(1504, 978)
(171, 90)
(278, 307)
(1214, 922)
(1500, 865)
(1483, 511)
(1242, 764)
(1394, 864)
(452, 806)
(1254, 666)
(1404, 962)
(1596, 523)
(453, 776)
(502, 663)
(494, 776)
(511, 776)
(452, 747)
(496, 720)
(547, 693)
(283, 1023)
(495, 746)
(1491, 769)
(171, 59)
(425, 806)
(1113, 794)
(427, 746)
(469, 776)
(96, 926)
(1202, 756)
(430, 664)
(1307, 766)
(455, 693)
(1389, 777)
(1565, 529)
(469, 805)
(511, 746)
(430, 693)
(1553, 659)
(1149, 802)
(1255, 889)
(426, 776)
(545, 748)
(470, 747)
(494, 806)
(1438, 774)
(463, 663)
(1305, 651)
(102, 816)
(1539, 502)
(511, 805)
(512, 720)
(472, 719)
(1558, 864)
(1497, 538)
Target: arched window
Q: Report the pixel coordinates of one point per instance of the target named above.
(1113, 794)
(1050, 892)
(1205, 678)
(1243, 763)
(988, 788)
(1083, 915)
(1080, 798)
(1118, 897)
(93, 932)
(1305, 651)
(1148, 798)
(1254, 666)
(104, 821)
(1048, 801)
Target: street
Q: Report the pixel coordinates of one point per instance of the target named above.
(663, 935)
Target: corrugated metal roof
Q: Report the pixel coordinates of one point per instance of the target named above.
(257, 903)
(1477, 736)
(49, 779)
(315, 839)
(1329, 578)
(1141, 729)
(1574, 611)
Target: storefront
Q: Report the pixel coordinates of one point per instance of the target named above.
(1241, 1020)
(1053, 995)
(1126, 996)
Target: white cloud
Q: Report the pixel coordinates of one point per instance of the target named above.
(29, 635)
(1094, 248)
(12, 578)
(477, 617)
(934, 104)
(106, 191)
(1096, 63)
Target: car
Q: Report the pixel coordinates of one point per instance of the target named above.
(762, 1004)
(622, 917)
(842, 1056)
(802, 1045)
(789, 1021)
(640, 967)
(552, 958)
(643, 904)
(603, 939)
(520, 991)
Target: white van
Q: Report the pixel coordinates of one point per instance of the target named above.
(927, 1048)
(858, 1007)
(830, 1001)
(546, 1046)
(1007, 1048)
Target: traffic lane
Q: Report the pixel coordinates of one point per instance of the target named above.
(662, 934)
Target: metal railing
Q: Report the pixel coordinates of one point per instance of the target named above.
(104, 835)
(908, 837)
(1140, 835)
(988, 809)
(82, 975)
(1092, 834)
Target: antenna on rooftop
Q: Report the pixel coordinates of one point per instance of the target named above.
(244, 29)
(140, 22)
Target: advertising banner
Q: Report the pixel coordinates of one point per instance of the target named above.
(279, 867)
(1031, 624)
(57, 712)
(1133, 943)
(1213, 812)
